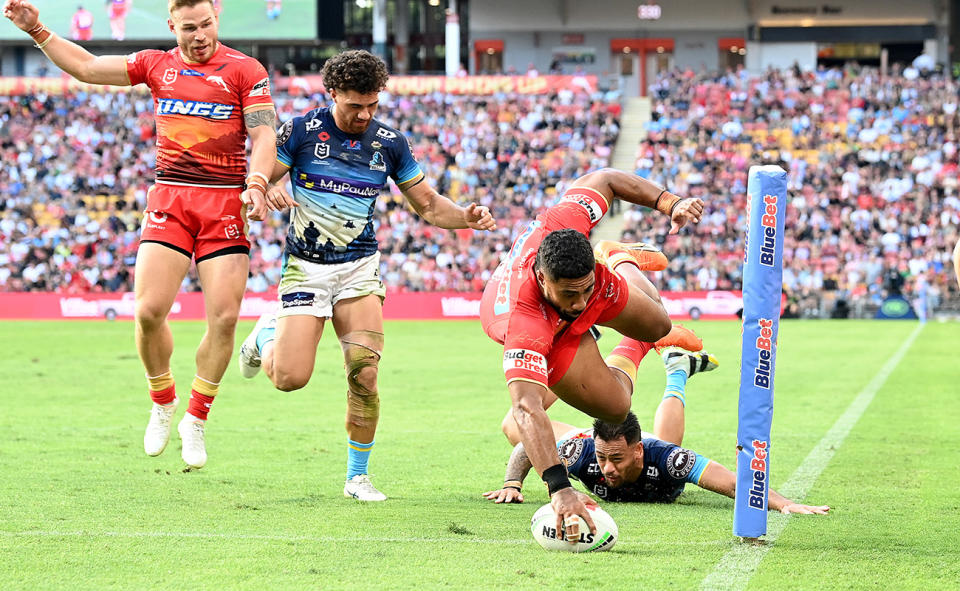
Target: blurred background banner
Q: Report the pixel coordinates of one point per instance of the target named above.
(90, 20)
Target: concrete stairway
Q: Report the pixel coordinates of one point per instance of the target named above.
(636, 114)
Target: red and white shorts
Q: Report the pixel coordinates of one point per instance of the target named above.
(198, 221)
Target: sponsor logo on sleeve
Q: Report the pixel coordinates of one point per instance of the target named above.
(283, 134)
(527, 361)
(261, 88)
(132, 58)
(680, 462)
(592, 208)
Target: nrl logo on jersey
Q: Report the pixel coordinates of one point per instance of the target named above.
(169, 76)
(321, 151)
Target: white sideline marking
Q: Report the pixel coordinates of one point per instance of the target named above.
(737, 566)
(325, 539)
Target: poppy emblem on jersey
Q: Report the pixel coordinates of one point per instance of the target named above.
(169, 76)
(321, 151)
(313, 124)
(324, 136)
(377, 163)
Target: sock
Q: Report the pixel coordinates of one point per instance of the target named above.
(358, 454)
(161, 388)
(676, 386)
(627, 355)
(202, 393)
(265, 336)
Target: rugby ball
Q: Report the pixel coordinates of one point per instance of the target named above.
(543, 526)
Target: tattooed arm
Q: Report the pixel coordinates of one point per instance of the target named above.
(517, 468)
(261, 127)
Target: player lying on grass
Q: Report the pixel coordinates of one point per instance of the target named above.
(543, 299)
(618, 464)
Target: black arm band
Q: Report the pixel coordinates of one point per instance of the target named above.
(556, 478)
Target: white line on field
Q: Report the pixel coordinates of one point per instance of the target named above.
(324, 539)
(737, 566)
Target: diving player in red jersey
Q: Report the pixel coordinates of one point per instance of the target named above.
(208, 98)
(545, 296)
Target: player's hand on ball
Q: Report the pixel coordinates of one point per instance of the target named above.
(278, 198)
(478, 217)
(507, 494)
(805, 509)
(687, 210)
(571, 506)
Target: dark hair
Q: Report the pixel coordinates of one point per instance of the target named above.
(565, 254)
(629, 429)
(356, 70)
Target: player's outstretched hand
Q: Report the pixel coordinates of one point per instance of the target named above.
(478, 217)
(571, 506)
(805, 509)
(23, 14)
(256, 204)
(278, 198)
(688, 210)
(507, 494)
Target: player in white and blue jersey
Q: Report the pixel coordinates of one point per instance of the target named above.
(617, 463)
(339, 158)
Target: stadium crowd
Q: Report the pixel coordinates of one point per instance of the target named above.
(872, 167)
(872, 174)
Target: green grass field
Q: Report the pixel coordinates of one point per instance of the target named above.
(147, 19)
(84, 508)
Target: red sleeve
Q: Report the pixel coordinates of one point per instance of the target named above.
(139, 64)
(255, 88)
(526, 346)
(580, 208)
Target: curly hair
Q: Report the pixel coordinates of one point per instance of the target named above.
(355, 70)
(565, 254)
(629, 429)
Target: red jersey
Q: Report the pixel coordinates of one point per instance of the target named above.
(199, 111)
(538, 344)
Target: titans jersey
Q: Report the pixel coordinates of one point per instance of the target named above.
(199, 109)
(666, 470)
(336, 179)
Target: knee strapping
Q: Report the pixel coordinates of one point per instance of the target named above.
(361, 352)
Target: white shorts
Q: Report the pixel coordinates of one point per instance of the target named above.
(311, 289)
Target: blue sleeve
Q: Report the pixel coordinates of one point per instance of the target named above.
(698, 467)
(576, 453)
(407, 168)
(288, 137)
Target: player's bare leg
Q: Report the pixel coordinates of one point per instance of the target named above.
(289, 358)
(591, 386)
(159, 272)
(223, 280)
(359, 325)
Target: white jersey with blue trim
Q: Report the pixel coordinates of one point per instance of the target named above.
(336, 179)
